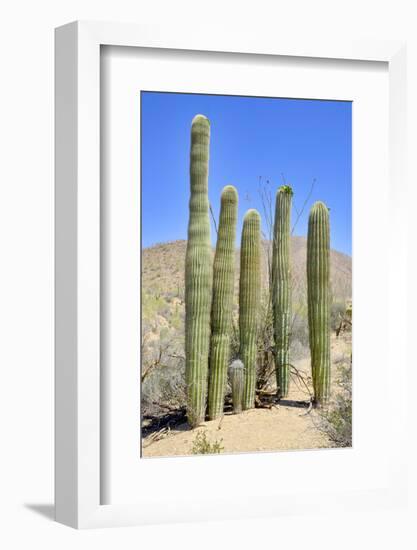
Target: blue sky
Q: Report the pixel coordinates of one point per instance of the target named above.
(251, 138)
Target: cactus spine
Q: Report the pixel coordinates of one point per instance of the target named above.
(281, 288)
(249, 298)
(318, 292)
(222, 306)
(198, 275)
(237, 381)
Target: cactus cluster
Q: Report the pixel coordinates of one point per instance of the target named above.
(209, 292)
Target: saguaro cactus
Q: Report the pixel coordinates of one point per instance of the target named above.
(281, 288)
(221, 313)
(318, 287)
(237, 381)
(198, 275)
(249, 299)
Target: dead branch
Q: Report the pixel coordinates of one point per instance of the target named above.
(170, 419)
(266, 392)
(300, 377)
(310, 408)
(156, 436)
(304, 205)
(213, 218)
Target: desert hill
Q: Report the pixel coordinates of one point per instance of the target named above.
(163, 313)
(163, 270)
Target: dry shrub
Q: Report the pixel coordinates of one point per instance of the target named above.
(336, 420)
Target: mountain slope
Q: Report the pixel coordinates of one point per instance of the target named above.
(163, 314)
(163, 270)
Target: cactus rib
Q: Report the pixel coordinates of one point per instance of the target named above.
(318, 292)
(249, 299)
(281, 288)
(198, 275)
(222, 305)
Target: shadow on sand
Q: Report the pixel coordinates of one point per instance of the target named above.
(294, 403)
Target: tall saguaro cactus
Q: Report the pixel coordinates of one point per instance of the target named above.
(249, 299)
(281, 288)
(222, 306)
(318, 287)
(198, 275)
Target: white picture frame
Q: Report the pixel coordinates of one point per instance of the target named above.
(78, 411)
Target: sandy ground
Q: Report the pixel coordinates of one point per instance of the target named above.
(284, 426)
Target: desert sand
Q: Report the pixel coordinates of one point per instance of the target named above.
(287, 425)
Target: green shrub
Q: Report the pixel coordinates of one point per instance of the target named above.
(202, 446)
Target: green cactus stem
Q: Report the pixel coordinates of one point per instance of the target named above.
(318, 293)
(198, 275)
(237, 381)
(222, 306)
(281, 288)
(249, 300)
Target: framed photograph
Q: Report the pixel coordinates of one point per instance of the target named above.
(226, 214)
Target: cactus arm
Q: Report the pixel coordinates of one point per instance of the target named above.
(222, 306)
(249, 300)
(198, 275)
(318, 294)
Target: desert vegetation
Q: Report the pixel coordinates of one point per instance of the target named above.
(229, 332)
